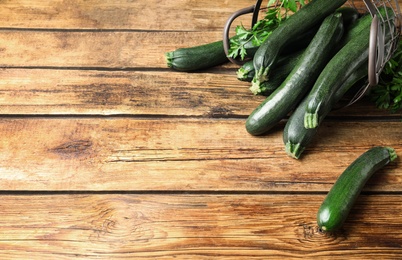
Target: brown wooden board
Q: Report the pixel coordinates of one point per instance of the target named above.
(140, 93)
(181, 154)
(198, 226)
(105, 153)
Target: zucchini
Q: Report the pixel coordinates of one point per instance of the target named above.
(285, 63)
(355, 28)
(354, 54)
(340, 199)
(350, 15)
(277, 105)
(304, 19)
(296, 44)
(349, 58)
(279, 75)
(363, 22)
(197, 57)
(295, 136)
(246, 71)
(299, 42)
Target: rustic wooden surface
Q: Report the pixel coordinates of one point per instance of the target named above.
(108, 154)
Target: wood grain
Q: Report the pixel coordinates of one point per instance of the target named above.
(139, 93)
(179, 15)
(101, 49)
(197, 226)
(181, 154)
(125, 14)
(124, 92)
(105, 153)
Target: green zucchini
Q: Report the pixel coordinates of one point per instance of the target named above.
(340, 199)
(197, 57)
(279, 74)
(306, 18)
(350, 15)
(299, 42)
(349, 58)
(296, 44)
(295, 136)
(246, 71)
(363, 22)
(277, 105)
(287, 61)
(356, 27)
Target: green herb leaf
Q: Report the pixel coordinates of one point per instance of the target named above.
(291, 5)
(388, 93)
(263, 28)
(271, 2)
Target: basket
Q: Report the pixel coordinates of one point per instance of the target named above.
(380, 50)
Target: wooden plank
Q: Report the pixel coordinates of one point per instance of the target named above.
(103, 49)
(152, 15)
(108, 14)
(124, 92)
(112, 49)
(194, 226)
(181, 154)
(154, 93)
(116, 187)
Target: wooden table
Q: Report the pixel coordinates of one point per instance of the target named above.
(108, 154)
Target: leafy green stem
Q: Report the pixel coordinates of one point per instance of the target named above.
(277, 11)
(388, 93)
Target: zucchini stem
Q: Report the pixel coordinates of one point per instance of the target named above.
(392, 153)
(255, 86)
(169, 59)
(310, 120)
(262, 75)
(242, 74)
(294, 150)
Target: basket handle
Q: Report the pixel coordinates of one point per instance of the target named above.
(376, 47)
(376, 51)
(226, 41)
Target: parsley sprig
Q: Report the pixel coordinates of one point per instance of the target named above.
(277, 11)
(388, 93)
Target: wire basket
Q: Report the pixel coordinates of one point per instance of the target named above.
(380, 50)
